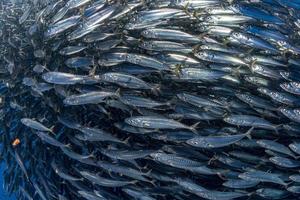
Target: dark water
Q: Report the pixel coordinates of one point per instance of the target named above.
(3, 195)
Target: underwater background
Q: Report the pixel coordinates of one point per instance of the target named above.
(150, 99)
(3, 195)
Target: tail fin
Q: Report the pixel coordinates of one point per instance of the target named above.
(118, 92)
(92, 155)
(193, 127)
(68, 145)
(249, 132)
(52, 129)
(156, 90)
(277, 127)
(126, 141)
(148, 173)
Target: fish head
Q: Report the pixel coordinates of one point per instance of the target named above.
(25, 121)
(156, 155)
(203, 27)
(196, 142)
(237, 35)
(148, 33)
(133, 121)
(146, 44)
(202, 54)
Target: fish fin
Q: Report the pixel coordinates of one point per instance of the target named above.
(225, 115)
(185, 8)
(253, 63)
(249, 132)
(148, 173)
(156, 89)
(250, 51)
(194, 126)
(52, 129)
(145, 167)
(126, 140)
(179, 118)
(134, 163)
(169, 103)
(226, 42)
(110, 174)
(152, 182)
(92, 71)
(177, 69)
(236, 71)
(250, 194)
(46, 68)
(220, 175)
(202, 35)
(212, 159)
(68, 145)
(134, 182)
(118, 92)
(277, 127)
(196, 48)
(92, 155)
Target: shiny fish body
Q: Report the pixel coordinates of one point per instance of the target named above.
(155, 123)
(35, 125)
(126, 81)
(218, 57)
(71, 50)
(217, 141)
(103, 181)
(262, 177)
(63, 78)
(145, 61)
(166, 46)
(140, 102)
(248, 120)
(169, 34)
(62, 26)
(88, 98)
(196, 74)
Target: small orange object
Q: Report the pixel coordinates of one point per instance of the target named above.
(16, 142)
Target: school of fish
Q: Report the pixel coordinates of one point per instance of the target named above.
(150, 99)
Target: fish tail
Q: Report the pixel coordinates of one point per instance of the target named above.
(134, 182)
(196, 48)
(148, 173)
(156, 89)
(52, 129)
(193, 128)
(248, 133)
(92, 155)
(68, 145)
(212, 159)
(277, 127)
(126, 141)
(118, 92)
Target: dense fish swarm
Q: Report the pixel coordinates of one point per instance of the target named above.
(152, 99)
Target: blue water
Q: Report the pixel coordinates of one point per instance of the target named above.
(3, 195)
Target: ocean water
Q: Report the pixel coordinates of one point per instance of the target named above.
(3, 195)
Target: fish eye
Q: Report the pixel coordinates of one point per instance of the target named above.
(145, 124)
(147, 32)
